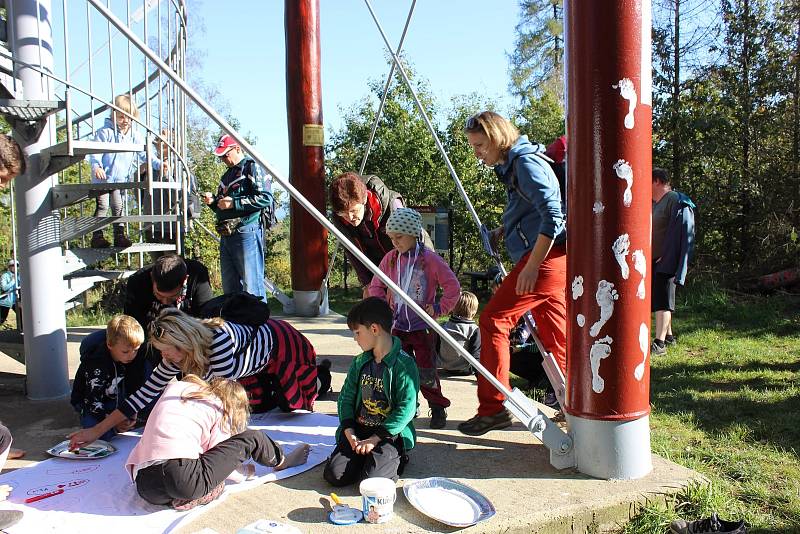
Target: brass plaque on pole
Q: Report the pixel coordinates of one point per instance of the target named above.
(313, 135)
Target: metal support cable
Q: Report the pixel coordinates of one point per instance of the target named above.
(386, 90)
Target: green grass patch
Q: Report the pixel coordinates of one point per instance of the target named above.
(726, 403)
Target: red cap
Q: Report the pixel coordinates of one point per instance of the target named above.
(224, 145)
(557, 150)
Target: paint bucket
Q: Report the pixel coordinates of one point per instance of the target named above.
(377, 499)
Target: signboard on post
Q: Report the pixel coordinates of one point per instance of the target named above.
(436, 221)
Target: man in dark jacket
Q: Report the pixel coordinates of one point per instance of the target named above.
(672, 244)
(361, 206)
(170, 282)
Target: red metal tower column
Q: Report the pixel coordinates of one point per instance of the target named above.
(609, 112)
(308, 239)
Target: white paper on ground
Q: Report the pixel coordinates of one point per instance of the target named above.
(99, 496)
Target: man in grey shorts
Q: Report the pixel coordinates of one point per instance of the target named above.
(673, 240)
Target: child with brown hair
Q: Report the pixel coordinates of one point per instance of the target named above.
(196, 437)
(462, 327)
(111, 368)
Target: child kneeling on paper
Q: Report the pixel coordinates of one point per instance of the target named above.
(111, 368)
(377, 403)
(195, 438)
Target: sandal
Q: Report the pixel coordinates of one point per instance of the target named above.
(480, 425)
(185, 504)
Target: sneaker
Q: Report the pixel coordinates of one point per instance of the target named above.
(121, 240)
(99, 241)
(184, 504)
(550, 400)
(438, 416)
(480, 425)
(670, 340)
(658, 348)
(710, 524)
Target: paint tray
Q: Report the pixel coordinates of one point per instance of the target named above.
(91, 451)
(448, 501)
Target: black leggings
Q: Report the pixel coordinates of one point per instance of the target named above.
(184, 478)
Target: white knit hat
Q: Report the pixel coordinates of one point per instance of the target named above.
(405, 221)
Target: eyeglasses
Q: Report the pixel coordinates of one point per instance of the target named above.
(472, 122)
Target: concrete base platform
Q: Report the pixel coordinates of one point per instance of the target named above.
(510, 467)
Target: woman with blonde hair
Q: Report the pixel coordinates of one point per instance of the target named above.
(218, 348)
(534, 229)
(197, 437)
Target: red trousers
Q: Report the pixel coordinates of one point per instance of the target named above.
(548, 305)
(421, 345)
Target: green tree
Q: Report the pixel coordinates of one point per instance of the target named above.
(537, 62)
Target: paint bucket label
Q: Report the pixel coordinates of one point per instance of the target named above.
(377, 499)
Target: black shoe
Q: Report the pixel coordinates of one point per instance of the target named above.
(658, 348)
(480, 425)
(438, 416)
(99, 241)
(669, 339)
(708, 525)
(550, 400)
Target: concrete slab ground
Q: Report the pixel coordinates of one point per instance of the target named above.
(510, 467)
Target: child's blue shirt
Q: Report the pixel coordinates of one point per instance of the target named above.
(120, 167)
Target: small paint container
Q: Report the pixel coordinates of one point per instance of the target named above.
(377, 499)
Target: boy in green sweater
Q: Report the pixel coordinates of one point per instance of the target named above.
(377, 402)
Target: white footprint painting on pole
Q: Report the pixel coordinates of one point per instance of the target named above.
(605, 296)
(577, 287)
(601, 349)
(625, 172)
(598, 207)
(640, 265)
(644, 341)
(621, 247)
(627, 91)
(580, 319)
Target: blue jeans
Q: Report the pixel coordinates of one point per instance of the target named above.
(88, 420)
(241, 258)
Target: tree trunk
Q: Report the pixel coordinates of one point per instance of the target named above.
(744, 185)
(676, 97)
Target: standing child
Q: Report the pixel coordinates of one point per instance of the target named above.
(419, 272)
(197, 437)
(111, 368)
(461, 327)
(117, 167)
(377, 403)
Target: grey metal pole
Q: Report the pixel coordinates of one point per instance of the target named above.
(39, 248)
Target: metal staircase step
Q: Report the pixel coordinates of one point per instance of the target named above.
(63, 195)
(28, 110)
(77, 227)
(96, 273)
(56, 158)
(11, 343)
(81, 258)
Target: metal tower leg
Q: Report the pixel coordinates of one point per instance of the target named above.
(39, 247)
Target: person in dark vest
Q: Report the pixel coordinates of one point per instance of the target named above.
(361, 206)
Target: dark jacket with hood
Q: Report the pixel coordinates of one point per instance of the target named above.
(101, 382)
(678, 241)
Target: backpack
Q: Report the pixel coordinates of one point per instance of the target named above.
(559, 169)
(268, 216)
(240, 308)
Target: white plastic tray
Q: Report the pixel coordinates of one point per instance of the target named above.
(448, 501)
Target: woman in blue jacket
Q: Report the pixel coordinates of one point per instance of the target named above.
(534, 229)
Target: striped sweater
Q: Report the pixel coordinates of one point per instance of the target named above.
(224, 361)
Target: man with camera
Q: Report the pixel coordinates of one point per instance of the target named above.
(242, 201)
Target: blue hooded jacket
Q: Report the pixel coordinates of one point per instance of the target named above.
(534, 203)
(120, 167)
(678, 241)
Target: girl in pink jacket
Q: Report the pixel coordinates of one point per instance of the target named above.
(419, 272)
(195, 438)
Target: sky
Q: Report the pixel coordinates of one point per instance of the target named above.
(459, 46)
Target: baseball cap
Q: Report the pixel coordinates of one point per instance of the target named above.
(224, 145)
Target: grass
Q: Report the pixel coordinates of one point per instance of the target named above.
(726, 403)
